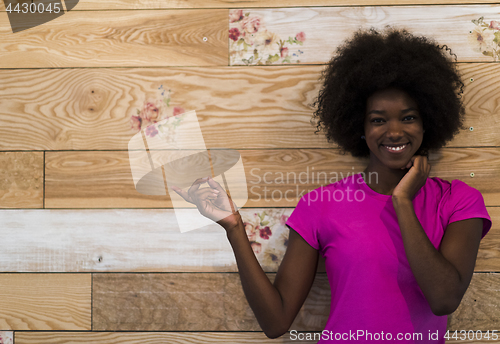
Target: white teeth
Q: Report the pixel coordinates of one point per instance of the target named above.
(396, 148)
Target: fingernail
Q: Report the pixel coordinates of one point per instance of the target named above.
(214, 190)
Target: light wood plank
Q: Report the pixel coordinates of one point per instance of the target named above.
(142, 240)
(450, 25)
(21, 179)
(6, 337)
(137, 38)
(88, 5)
(237, 107)
(170, 337)
(45, 302)
(207, 302)
(119, 39)
(150, 338)
(276, 178)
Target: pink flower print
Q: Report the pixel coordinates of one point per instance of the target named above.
(135, 123)
(256, 247)
(153, 110)
(250, 24)
(495, 25)
(284, 51)
(250, 230)
(265, 232)
(283, 219)
(301, 37)
(234, 34)
(151, 131)
(178, 111)
(235, 15)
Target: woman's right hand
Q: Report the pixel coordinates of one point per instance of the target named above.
(212, 202)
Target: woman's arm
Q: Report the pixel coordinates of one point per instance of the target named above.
(275, 305)
(444, 275)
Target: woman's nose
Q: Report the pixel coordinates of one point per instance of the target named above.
(394, 129)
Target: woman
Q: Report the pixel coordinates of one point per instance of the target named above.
(400, 251)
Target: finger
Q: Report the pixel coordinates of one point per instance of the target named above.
(196, 185)
(182, 193)
(215, 185)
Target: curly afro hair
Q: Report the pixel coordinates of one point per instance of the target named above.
(372, 61)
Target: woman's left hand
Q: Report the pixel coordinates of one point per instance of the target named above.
(414, 179)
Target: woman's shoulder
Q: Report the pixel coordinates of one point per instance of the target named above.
(450, 189)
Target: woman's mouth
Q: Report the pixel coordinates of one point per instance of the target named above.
(396, 149)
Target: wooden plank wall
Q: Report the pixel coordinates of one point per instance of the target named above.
(88, 259)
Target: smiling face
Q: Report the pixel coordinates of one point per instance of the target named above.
(393, 128)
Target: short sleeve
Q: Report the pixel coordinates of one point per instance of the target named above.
(305, 219)
(466, 202)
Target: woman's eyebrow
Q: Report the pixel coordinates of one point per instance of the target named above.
(381, 112)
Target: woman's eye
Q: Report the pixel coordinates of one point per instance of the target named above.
(410, 117)
(377, 120)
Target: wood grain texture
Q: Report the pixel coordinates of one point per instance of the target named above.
(168, 337)
(21, 179)
(119, 39)
(88, 5)
(142, 240)
(151, 338)
(237, 107)
(126, 241)
(274, 177)
(479, 307)
(450, 25)
(189, 302)
(207, 302)
(45, 302)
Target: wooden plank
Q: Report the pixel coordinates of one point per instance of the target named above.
(237, 107)
(479, 307)
(148, 240)
(21, 179)
(208, 302)
(189, 302)
(151, 338)
(274, 177)
(450, 25)
(151, 38)
(169, 337)
(89, 5)
(6, 337)
(45, 302)
(119, 39)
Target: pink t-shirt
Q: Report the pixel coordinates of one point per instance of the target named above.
(374, 292)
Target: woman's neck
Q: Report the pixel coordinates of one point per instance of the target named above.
(386, 178)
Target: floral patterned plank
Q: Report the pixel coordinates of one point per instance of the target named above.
(251, 43)
(268, 236)
(156, 108)
(311, 35)
(6, 337)
(485, 37)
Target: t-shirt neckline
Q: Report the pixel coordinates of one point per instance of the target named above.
(372, 192)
